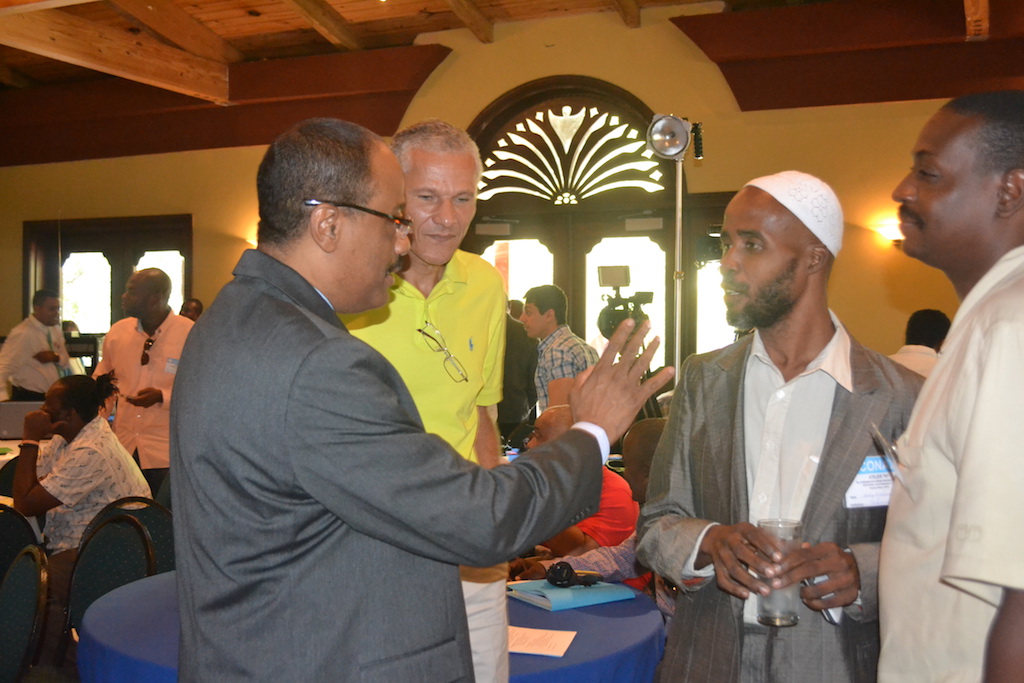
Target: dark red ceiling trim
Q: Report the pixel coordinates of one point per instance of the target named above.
(859, 51)
(114, 118)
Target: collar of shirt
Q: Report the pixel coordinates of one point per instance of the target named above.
(919, 350)
(1005, 266)
(43, 328)
(455, 273)
(550, 339)
(328, 301)
(156, 333)
(834, 359)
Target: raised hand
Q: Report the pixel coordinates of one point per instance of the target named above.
(610, 394)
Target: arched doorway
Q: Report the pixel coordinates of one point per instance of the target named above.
(568, 181)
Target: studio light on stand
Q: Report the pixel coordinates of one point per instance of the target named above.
(669, 137)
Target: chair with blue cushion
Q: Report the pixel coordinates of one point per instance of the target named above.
(7, 477)
(22, 606)
(15, 534)
(163, 496)
(155, 517)
(117, 551)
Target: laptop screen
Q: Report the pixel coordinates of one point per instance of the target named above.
(12, 417)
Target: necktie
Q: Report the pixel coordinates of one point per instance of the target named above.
(61, 370)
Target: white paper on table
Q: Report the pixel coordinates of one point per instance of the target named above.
(539, 641)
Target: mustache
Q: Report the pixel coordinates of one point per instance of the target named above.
(728, 283)
(908, 215)
(397, 265)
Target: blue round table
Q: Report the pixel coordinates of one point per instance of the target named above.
(131, 634)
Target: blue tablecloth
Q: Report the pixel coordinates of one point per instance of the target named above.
(618, 642)
(131, 634)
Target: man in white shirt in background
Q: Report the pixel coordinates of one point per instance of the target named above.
(952, 573)
(143, 351)
(34, 356)
(926, 330)
(777, 425)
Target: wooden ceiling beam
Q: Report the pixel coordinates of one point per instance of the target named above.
(470, 15)
(8, 7)
(13, 77)
(112, 117)
(61, 36)
(327, 22)
(171, 22)
(629, 10)
(834, 53)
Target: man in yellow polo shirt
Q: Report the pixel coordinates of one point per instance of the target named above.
(444, 330)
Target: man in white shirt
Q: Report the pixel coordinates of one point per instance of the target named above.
(775, 425)
(926, 330)
(34, 356)
(952, 573)
(143, 351)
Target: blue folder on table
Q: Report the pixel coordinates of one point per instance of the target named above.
(553, 598)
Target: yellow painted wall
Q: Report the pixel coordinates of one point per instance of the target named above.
(218, 187)
(862, 150)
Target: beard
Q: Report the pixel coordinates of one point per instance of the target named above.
(773, 302)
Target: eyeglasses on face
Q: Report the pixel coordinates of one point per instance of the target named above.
(146, 346)
(435, 340)
(402, 224)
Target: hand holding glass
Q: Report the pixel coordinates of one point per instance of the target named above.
(780, 607)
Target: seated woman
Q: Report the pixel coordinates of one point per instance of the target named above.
(71, 478)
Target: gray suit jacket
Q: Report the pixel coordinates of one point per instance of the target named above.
(317, 527)
(699, 476)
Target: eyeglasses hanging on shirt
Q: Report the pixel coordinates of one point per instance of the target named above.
(145, 351)
(435, 340)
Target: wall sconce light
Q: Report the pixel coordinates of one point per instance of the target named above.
(889, 227)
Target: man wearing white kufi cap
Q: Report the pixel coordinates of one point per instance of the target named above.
(777, 425)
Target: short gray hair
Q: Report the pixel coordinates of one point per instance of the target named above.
(434, 135)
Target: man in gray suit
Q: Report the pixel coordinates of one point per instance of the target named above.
(776, 425)
(317, 526)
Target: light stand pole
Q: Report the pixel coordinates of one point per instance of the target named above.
(669, 137)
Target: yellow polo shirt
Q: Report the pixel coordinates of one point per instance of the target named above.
(468, 308)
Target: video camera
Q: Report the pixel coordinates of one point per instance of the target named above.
(619, 307)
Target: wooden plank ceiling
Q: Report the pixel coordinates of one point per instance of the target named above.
(85, 78)
(186, 46)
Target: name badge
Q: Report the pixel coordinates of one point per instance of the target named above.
(171, 367)
(872, 485)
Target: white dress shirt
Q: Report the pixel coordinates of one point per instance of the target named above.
(951, 544)
(785, 425)
(17, 358)
(144, 429)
